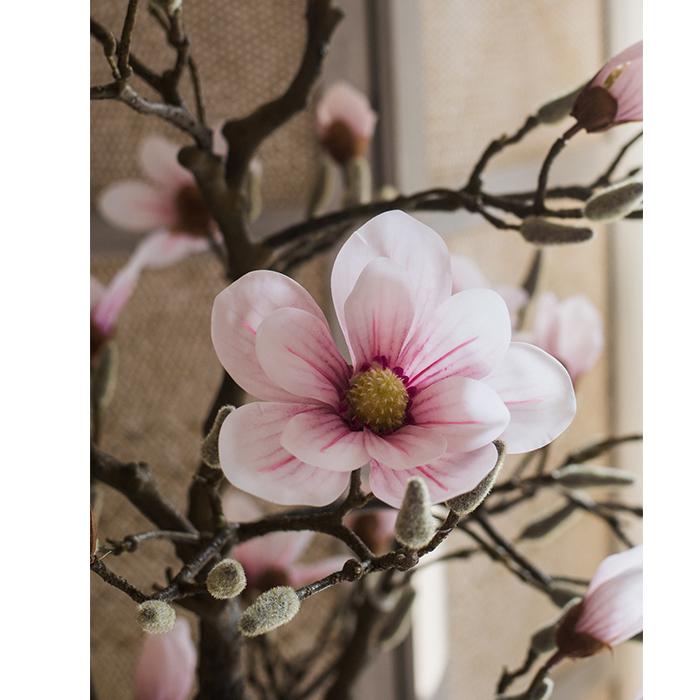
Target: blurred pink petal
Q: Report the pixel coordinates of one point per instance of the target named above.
(112, 300)
(159, 163)
(166, 667)
(136, 206)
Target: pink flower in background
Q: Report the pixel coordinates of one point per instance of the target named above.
(615, 95)
(571, 330)
(611, 610)
(374, 526)
(433, 379)
(344, 122)
(467, 275)
(166, 667)
(272, 560)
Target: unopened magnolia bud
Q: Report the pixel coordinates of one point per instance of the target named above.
(415, 526)
(541, 231)
(270, 610)
(226, 580)
(559, 108)
(575, 475)
(358, 181)
(210, 446)
(614, 203)
(470, 501)
(156, 616)
(549, 523)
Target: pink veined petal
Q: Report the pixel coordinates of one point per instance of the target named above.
(238, 311)
(397, 236)
(136, 206)
(159, 163)
(296, 351)
(254, 461)
(451, 475)
(628, 90)
(322, 438)
(466, 336)
(469, 413)
(539, 395)
(379, 313)
(166, 667)
(616, 564)
(579, 335)
(466, 274)
(163, 248)
(612, 613)
(114, 297)
(343, 102)
(405, 448)
(631, 53)
(301, 574)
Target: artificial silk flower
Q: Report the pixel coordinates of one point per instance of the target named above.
(433, 378)
(344, 122)
(466, 274)
(571, 330)
(273, 560)
(166, 667)
(611, 610)
(615, 94)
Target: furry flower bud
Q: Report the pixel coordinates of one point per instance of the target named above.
(156, 616)
(536, 229)
(210, 446)
(614, 202)
(414, 524)
(470, 501)
(226, 580)
(576, 475)
(270, 610)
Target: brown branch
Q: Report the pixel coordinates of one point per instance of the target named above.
(117, 581)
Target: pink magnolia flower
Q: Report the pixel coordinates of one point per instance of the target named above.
(611, 610)
(272, 560)
(433, 378)
(466, 274)
(614, 96)
(571, 330)
(344, 122)
(166, 667)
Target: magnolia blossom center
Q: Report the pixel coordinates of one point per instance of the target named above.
(192, 212)
(378, 398)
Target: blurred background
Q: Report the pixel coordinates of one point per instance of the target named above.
(445, 78)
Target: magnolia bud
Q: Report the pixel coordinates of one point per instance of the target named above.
(575, 475)
(470, 501)
(415, 526)
(549, 523)
(226, 580)
(614, 203)
(536, 229)
(270, 610)
(156, 616)
(210, 446)
(559, 108)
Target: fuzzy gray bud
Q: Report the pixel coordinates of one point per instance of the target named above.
(576, 475)
(559, 108)
(614, 203)
(541, 231)
(549, 523)
(226, 580)
(270, 610)
(470, 501)
(415, 526)
(155, 616)
(210, 446)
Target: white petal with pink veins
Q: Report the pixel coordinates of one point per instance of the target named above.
(467, 336)
(616, 564)
(136, 206)
(408, 243)
(539, 395)
(296, 350)
(405, 448)
(453, 474)
(238, 311)
(469, 413)
(379, 313)
(253, 459)
(159, 163)
(322, 438)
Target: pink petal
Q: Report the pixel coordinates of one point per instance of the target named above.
(628, 90)
(301, 574)
(631, 53)
(298, 354)
(113, 299)
(469, 413)
(466, 274)
(160, 164)
(163, 249)
(97, 291)
(166, 667)
(238, 311)
(451, 475)
(407, 447)
(539, 395)
(343, 102)
(253, 459)
(397, 236)
(615, 565)
(136, 206)
(322, 438)
(379, 313)
(466, 336)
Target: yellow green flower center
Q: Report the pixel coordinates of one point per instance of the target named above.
(378, 399)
